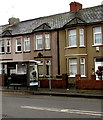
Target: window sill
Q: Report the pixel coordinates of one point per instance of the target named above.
(47, 49)
(8, 52)
(2, 53)
(71, 76)
(18, 52)
(26, 51)
(97, 45)
(83, 76)
(82, 46)
(70, 47)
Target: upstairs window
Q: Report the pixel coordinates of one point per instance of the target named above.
(18, 45)
(81, 35)
(1, 46)
(47, 41)
(26, 44)
(8, 45)
(39, 45)
(97, 33)
(72, 38)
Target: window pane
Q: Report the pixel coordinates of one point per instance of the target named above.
(97, 29)
(8, 45)
(26, 44)
(38, 42)
(40, 69)
(18, 41)
(1, 46)
(19, 48)
(82, 69)
(82, 66)
(81, 37)
(73, 66)
(47, 41)
(98, 38)
(97, 35)
(72, 38)
(18, 45)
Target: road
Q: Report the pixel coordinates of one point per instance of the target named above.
(33, 106)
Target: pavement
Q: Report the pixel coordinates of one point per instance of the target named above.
(73, 92)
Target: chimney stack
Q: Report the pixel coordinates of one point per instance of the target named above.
(75, 6)
(13, 21)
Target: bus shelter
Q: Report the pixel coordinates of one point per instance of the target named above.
(21, 72)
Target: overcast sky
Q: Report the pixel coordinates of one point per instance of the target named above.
(30, 9)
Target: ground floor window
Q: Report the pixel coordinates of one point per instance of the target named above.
(72, 67)
(48, 64)
(82, 67)
(40, 69)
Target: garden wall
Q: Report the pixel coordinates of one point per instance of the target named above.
(89, 84)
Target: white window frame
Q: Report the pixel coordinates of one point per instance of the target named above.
(18, 45)
(26, 41)
(81, 36)
(2, 46)
(97, 33)
(72, 36)
(72, 64)
(47, 41)
(39, 38)
(82, 63)
(8, 45)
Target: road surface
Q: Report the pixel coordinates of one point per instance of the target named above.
(33, 106)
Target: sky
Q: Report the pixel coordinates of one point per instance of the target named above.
(30, 9)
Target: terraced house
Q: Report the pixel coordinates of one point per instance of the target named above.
(70, 43)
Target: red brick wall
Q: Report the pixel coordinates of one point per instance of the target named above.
(89, 84)
(55, 83)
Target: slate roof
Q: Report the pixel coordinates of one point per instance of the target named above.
(84, 16)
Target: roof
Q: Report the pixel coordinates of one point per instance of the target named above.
(85, 16)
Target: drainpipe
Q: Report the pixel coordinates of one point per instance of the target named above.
(58, 55)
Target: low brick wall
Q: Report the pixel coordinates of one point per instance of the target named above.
(89, 84)
(55, 83)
